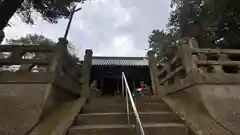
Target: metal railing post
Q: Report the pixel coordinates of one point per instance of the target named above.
(127, 108)
(129, 98)
(123, 87)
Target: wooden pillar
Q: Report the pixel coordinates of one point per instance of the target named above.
(2, 35)
(101, 85)
(118, 85)
(153, 73)
(134, 87)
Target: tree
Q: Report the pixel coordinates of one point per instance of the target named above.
(163, 44)
(226, 17)
(187, 19)
(33, 39)
(51, 10)
(212, 22)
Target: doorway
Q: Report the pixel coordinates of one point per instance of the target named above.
(110, 86)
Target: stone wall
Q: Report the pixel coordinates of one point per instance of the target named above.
(217, 103)
(21, 106)
(222, 103)
(25, 105)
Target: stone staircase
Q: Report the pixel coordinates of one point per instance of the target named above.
(107, 116)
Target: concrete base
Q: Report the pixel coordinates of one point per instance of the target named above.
(222, 103)
(60, 120)
(24, 105)
(208, 109)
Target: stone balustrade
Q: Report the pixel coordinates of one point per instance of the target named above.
(201, 85)
(192, 64)
(35, 80)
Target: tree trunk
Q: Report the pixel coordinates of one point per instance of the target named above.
(184, 18)
(7, 10)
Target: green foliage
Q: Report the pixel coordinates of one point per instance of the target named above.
(32, 39)
(163, 44)
(184, 19)
(50, 10)
(212, 22)
(71, 63)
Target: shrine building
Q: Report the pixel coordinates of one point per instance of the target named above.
(107, 72)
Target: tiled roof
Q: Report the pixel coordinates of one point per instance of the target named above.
(120, 61)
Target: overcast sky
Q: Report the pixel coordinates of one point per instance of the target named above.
(108, 27)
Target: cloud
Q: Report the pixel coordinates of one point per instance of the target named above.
(109, 27)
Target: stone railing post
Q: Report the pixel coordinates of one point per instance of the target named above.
(86, 71)
(186, 56)
(153, 71)
(56, 65)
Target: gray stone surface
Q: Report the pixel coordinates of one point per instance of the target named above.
(190, 107)
(60, 120)
(222, 103)
(107, 116)
(21, 106)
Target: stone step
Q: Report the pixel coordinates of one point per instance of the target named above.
(101, 130)
(113, 107)
(150, 129)
(158, 117)
(121, 118)
(104, 108)
(101, 118)
(152, 107)
(121, 100)
(146, 99)
(106, 100)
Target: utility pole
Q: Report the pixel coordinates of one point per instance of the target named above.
(70, 20)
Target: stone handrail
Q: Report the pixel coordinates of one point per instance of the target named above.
(169, 70)
(192, 64)
(17, 53)
(37, 87)
(202, 86)
(54, 62)
(221, 59)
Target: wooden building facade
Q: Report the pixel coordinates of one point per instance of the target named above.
(107, 72)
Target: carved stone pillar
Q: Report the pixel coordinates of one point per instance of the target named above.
(61, 47)
(153, 72)
(86, 71)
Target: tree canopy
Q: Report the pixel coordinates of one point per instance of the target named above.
(50, 10)
(34, 39)
(214, 23)
(162, 44)
(211, 22)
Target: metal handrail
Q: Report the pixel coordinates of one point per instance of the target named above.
(129, 97)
